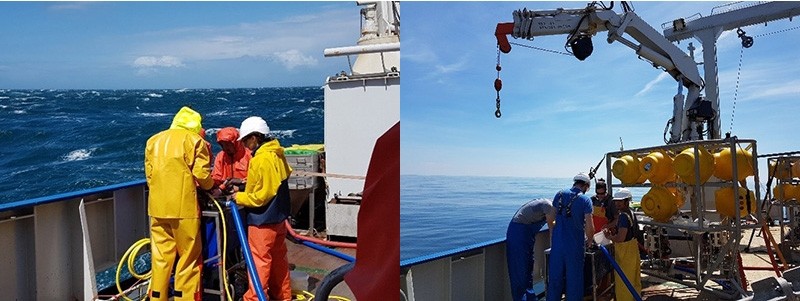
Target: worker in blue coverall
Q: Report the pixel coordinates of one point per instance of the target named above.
(520, 239)
(572, 232)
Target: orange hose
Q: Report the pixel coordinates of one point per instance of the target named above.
(318, 241)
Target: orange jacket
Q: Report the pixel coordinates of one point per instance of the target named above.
(225, 166)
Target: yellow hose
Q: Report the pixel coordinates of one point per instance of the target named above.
(224, 250)
(302, 295)
(130, 254)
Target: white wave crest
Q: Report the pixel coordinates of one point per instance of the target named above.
(286, 114)
(19, 112)
(219, 113)
(283, 133)
(153, 114)
(79, 155)
(155, 95)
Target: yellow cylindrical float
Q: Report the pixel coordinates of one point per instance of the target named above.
(626, 169)
(783, 192)
(786, 191)
(726, 207)
(660, 204)
(792, 192)
(781, 170)
(657, 167)
(684, 165)
(724, 164)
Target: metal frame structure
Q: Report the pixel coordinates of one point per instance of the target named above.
(701, 231)
(789, 205)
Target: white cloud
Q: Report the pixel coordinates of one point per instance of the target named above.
(294, 41)
(69, 6)
(649, 86)
(450, 68)
(153, 62)
(294, 58)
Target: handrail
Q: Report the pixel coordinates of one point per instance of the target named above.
(68, 195)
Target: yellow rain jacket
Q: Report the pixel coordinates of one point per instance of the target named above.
(267, 171)
(176, 161)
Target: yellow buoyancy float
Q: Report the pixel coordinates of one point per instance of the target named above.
(684, 165)
(626, 169)
(781, 170)
(786, 191)
(660, 203)
(726, 207)
(657, 167)
(723, 162)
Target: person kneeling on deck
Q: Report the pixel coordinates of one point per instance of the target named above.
(520, 241)
(175, 162)
(572, 232)
(266, 201)
(230, 164)
(626, 248)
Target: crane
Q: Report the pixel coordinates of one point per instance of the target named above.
(689, 113)
(709, 28)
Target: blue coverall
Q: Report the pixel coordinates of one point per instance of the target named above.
(565, 269)
(520, 239)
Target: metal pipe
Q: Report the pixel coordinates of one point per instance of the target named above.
(325, 250)
(248, 257)
(372, 48)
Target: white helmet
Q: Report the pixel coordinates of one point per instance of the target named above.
(251, 125)
(622, 194)
(582, 177)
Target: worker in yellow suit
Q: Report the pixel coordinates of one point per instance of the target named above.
(266, 201)
(626, 247)
(176, 163)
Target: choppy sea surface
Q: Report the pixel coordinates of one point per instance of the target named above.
(56, 141)
(441, 213)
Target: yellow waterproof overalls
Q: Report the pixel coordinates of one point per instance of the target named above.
(627, 256)
(176, 162)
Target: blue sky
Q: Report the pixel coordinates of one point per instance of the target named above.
(560, 115)
(121, 45)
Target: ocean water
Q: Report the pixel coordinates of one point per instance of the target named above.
(56, 141)
(441, 213)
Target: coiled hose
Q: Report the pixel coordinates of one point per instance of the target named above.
(130, 257)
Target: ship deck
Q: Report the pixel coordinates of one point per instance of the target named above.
(317, 265)
(657, 289)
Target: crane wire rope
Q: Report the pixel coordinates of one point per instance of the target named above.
(739, 71)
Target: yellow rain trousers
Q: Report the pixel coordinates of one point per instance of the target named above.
(176, 163)
(171, 237)
(627, 256)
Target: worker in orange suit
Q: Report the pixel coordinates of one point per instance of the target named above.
(266, 201)
(176, 162)
(231, 163)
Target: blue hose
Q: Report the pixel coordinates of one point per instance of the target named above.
(248, 257)
(328, 251)
(621, 274)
